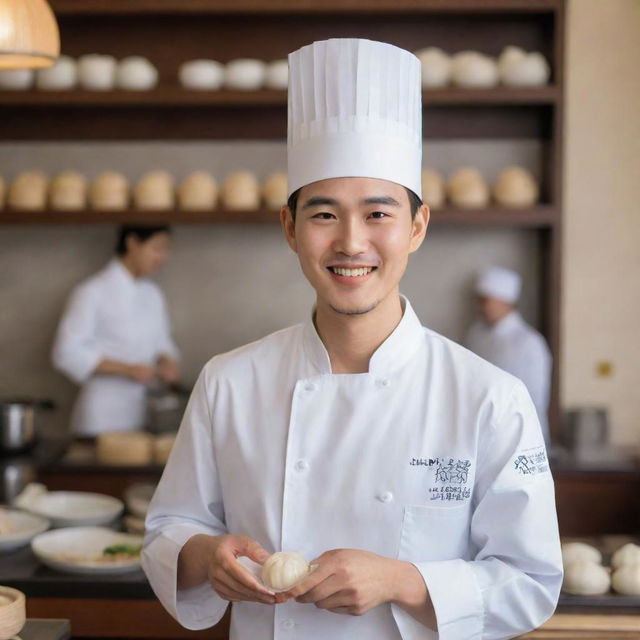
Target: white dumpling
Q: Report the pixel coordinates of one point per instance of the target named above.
(467, 189)
(277, 75)
(201, 75)
(274, 190)
(282, 569)
(433, 189)
(97, 72)
(509, 56)
(245, 74)
(579, 551)
(241, 191)
(68, 191)
(109, 192)
(515, 187)
(626, 579)
(474, 70)
(628, 554)
(198, 192)
(585, 578)
(154, 191)
(136, 73)
(16, 79)
(530, 71)
(61, 76)
(435, 67)
(28, 191)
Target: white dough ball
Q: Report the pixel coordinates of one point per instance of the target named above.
(467, 189)
(68, 191)
(579, 551)
(628, 554)
(282, 570)
(61, 76)
(16, 79)
(515, 187)
(28, 191)
(626, 579)
(435, 67)
(97, 72)
(585, 578)
(245, 74)
(277, 75)
(433, 189)
(241, 191)
(109, 192)
(136, 73)
(532, 71)
(474, 70)
(198, 192)
(201, 75)
(509, 56)
(154, 191)
(274, 190)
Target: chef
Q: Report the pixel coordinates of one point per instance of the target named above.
(114, 338)
(410, 471)
(502, 337)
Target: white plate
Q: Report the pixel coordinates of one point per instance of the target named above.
(137, 498)
(22, 527)
(76, 543)
(76, 508)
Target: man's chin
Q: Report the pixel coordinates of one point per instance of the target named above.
(355, 310)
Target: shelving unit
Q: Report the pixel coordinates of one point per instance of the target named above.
(169, 32)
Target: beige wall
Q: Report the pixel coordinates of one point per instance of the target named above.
(601, 306)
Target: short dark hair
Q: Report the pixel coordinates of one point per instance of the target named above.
(414, 202)
(141, 232)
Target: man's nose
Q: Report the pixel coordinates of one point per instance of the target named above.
(352, 238)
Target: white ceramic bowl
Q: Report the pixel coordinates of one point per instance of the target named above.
(76, 508)
(22, 527)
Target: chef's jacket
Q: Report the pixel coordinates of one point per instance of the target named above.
(115, 316)
(433, 456)
(519, 349)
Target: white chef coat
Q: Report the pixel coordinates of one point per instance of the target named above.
(433, 457)
(115, 316)
(519, 349)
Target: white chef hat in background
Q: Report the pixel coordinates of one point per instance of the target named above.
(355, 110)
(498, 282)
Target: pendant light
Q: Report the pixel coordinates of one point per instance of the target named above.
(29, 36)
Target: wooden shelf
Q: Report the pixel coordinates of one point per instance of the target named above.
(539, 217)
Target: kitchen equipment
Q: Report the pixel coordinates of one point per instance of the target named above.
(20, 423)
(585, 428)
(165, 407)
(16, 472)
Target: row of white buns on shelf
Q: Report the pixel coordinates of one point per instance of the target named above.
(514, 67)
(97, 72)
(133, 448)
(156, 190)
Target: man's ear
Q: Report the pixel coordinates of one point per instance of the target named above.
(288, 227)
(419, 227)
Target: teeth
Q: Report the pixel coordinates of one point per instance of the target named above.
(352, 273)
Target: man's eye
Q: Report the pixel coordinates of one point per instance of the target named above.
(378, 215)
(323, 215)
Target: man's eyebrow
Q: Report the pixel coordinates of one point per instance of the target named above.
(388, 200)
(319, 200)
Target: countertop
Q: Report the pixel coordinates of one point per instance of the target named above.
(40, 629)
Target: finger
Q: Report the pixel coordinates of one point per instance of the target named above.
(321, 573)
(226, 593)
(231, 583)
(337, 600)
(256, 552)
(325, 589)
(234, 569)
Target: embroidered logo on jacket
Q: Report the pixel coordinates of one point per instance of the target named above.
(531, 462)
(451, 477)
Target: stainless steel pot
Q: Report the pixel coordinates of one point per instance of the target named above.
(16, 473)
(165, 407)
(20, 423)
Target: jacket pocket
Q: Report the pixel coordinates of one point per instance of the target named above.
(434, 533)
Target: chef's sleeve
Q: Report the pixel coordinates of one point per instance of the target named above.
(512, 582)
(187, 502)
(75, 350)
(166, 346)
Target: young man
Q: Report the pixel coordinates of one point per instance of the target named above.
(411, 472)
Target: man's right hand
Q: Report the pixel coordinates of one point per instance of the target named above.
(141, 373)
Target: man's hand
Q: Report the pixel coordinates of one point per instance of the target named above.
(141, 373)
(167, 370)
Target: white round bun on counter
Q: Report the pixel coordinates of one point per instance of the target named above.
(521, 69)
(473, 70)
(627, 554)
(97, 72)
(626, 579)
(245, 74)
(274, 190)
(201, 75)
(68, 192)
(17, 527)
(13, 612)
(136, 73)
(16, 79)
(585, 578)
(124, 448)
(277, 75)
(580, 551)
(282, 570)
(154, 191)
(61, 76)
(435, 67)
(515, 188)
(28, 191)
(198, 192)
(467, 189)
(241, 191)
(433, 189)
(109, 192)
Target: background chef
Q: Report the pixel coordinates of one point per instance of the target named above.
(114, 337)
(412, 472)
(502, 337)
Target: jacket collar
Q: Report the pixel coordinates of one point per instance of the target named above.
(120, 274)
(508, 323)
(391, 355)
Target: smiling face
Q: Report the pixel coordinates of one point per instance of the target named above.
(353, 237)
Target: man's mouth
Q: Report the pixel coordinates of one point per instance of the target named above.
(353, 272)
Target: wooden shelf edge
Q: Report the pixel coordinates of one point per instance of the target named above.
(542, 216)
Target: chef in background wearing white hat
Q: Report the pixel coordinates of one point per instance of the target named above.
(410, 471)
(502, 337)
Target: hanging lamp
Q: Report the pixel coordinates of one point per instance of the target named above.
(29, 36)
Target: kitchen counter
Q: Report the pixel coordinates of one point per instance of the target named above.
(46, 630)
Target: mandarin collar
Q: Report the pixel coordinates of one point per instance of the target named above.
(121, 274)
(400, 346)
(512, 320)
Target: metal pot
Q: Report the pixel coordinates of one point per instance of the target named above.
(15, 474)
(165, 407)
(586, 427)
(19, 423)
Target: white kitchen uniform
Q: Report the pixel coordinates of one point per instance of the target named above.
(434, 457)
(115, 316)
(516, 347)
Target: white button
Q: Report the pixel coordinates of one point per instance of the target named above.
(385, 496)
(309, 386)
(288, 624)
(384, 382)
(302, 465)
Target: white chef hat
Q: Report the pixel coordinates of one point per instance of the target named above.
(498, 282)
(355, 110)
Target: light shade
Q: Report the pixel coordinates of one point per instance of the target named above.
(29, 36)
